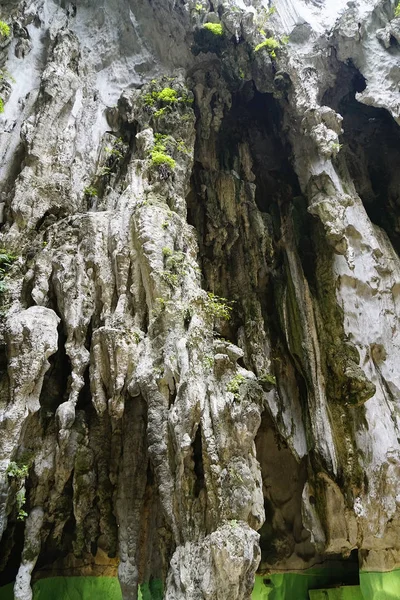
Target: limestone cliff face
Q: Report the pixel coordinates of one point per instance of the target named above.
(200, 291)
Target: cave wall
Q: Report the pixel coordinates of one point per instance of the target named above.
(199, 297)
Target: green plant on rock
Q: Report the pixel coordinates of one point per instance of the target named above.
(397, 10)
(175, 261)
(90, 191)
(160, 113)
(208, 361)
(159, 156)
(181, 147)
(170, 278)
(5, 76)
(164, 100)
(114, 151)
(6, 261)
(336, 147)
(167, 96)
(161, 303)
(270, 44)
(174, 265)
(214, 28)
(4, 29)
(267, 381)
(15, 471)
(234, 384)
(217, 307)
(21, 499)
(18, 473)
(233, 522)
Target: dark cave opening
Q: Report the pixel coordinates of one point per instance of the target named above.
(197, 449)
(56, 380)
(256, 119)
(250, 148)
(11, 547)
(371, 150)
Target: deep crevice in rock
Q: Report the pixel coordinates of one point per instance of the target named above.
(371, 149)
(197, 448)
(56, 379)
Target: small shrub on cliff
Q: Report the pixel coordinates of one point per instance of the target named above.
(4, 29)
(18, 473)
(397, 10)
(215, 28)
(234, 384)
(21, 499)
(168, 96)
(14, 471)
(270, 44)
(218, 307)
(159, 156)
(164, 100)
(6, 260)
(90, 191)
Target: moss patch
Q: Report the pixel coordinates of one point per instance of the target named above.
(215, 28)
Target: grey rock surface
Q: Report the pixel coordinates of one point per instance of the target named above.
(199, 301)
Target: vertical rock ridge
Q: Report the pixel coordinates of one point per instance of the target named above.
(198, 292)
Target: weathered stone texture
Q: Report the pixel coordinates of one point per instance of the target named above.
(199, 327)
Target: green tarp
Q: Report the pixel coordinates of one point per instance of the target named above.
(6, 593)
(315, 584)
(344, 593)
(295, 586)
(380, 586)
(77, 588)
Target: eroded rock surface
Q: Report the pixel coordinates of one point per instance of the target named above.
(199, 340)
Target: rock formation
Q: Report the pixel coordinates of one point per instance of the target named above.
(200, 282)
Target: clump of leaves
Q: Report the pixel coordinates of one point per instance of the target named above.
(174, 266)
(267, 381)
(159, 156)
(159, 113)
(215, 28)
(217, 307)
(6, 260)
(164, 99)
(21, 499)
(271, 45)
(4, 29)
(397, 10)
(90, 191)
(1, 105)
(234, 384)
(208, 361)
(19, 473)
(16, 471)
(167, 96)
(171, 278)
